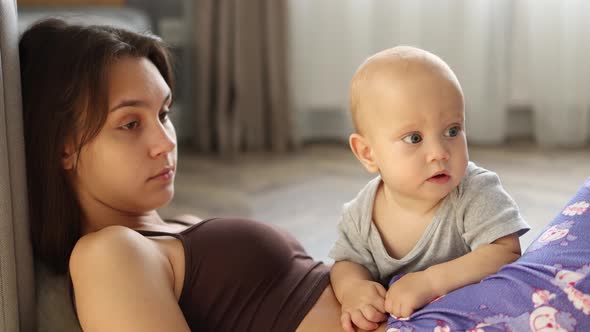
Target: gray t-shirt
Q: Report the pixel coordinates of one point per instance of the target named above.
(477, 212)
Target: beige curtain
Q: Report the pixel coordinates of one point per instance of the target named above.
(240, 83)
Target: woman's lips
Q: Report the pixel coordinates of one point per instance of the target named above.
(164, 176)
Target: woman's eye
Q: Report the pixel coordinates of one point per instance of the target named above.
(131, 125)
(413, 138)
(164, 116)
(453, 131)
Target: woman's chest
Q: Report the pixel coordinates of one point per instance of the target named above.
(173, 249)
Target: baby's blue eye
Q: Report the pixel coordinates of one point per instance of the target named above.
(413, 138)
(453, 131)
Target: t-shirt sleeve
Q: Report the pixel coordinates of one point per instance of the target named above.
(488, 211)
(352, 246)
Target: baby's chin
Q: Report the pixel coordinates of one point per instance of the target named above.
(436, 195)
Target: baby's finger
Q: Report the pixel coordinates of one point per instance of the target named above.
(405, 311)
(346, 322)
(359, 320)
(396, 309)
(389, 303)
(379, 304)
(372, 314)
(381, 290)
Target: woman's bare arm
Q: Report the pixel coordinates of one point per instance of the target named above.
(123, 282)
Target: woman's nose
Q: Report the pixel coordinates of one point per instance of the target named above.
(163, 140)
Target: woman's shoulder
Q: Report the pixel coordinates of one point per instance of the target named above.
(118, 273)
(185, 219)
(114, 235)
(188, 218)
(111, 245)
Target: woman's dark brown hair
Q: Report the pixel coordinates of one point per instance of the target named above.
(64, 70)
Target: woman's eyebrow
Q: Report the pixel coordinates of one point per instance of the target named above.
(137, 102)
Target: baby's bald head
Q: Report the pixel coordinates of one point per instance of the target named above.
(394, 68)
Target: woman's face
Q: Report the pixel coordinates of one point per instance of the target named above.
(130, 165)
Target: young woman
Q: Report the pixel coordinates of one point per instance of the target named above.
(101, 158)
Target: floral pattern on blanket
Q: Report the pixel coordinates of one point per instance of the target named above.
(547, 289)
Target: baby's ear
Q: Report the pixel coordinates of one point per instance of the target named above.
(363, 152)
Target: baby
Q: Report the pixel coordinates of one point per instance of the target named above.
(431, 219)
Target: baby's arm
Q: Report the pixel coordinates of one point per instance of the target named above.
(362, 298)
(415, 290)
(474, 266)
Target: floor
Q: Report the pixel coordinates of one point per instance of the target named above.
(303, 192)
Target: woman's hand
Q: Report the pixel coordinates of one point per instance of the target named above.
(363, 306)
(409, 293)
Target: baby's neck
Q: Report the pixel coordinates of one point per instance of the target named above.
(408, 204)
(401, 221)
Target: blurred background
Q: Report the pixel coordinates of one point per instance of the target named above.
(261, 102)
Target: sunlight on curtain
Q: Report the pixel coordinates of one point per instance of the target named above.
(559, 76)
(503, 52)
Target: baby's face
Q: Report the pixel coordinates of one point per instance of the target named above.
(414, 121)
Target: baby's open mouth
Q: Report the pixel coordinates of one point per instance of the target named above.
(440, 178)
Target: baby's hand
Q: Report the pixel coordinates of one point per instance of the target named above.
(363, 306)
(409, 293)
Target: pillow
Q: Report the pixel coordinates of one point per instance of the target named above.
(54, 307)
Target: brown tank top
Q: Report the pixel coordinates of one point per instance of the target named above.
(243, 275)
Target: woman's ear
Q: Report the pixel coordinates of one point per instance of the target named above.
(363, 152)
(68, 159)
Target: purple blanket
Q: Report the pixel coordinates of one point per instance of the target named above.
(547, 289)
